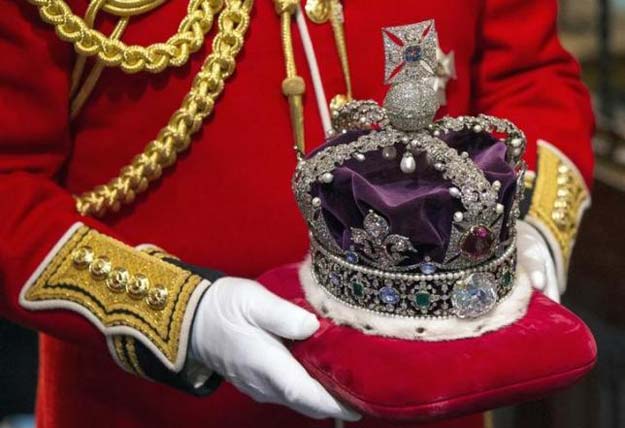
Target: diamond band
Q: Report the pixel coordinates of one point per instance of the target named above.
(464, 293)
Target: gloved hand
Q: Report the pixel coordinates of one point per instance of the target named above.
(237, 332)
(534, 256)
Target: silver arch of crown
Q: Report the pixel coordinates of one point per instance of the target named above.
(402, 129)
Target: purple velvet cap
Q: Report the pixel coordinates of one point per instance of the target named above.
(417, 205)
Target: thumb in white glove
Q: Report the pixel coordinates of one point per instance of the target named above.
(237, 331)
(534, 256)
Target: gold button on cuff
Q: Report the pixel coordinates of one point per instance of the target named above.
(138, 286)
(118, 280)
(82, 257)
(157, 297)
(100, 267)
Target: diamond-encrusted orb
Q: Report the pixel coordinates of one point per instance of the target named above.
(422, 300)
(117, 280)
(100, 267)
(82, 257)
(475, 295)
(411, 105)
(388, 295)
(413, 53)
(478, 242)
(427, 268)
(352, 257)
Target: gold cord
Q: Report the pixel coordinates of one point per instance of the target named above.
(80, 96)
(132, 59)
(81, 61)
(79, 100)
(337, 21)
(320, 12)
(293, 86)
(127, 8)
(175, 137)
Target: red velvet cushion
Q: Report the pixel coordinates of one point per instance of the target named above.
(548, 349)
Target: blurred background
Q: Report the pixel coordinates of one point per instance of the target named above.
(593, 30)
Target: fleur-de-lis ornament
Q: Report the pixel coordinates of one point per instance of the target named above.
(382, 249)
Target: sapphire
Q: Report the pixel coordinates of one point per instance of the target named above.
(427, 268)
(412, 53)
(351, 257)
(388, 295)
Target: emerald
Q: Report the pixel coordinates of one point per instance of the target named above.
(507, 278)
(422, 300)
(357, 289)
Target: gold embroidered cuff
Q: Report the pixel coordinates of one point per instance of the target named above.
(559, 199)
(123, 291)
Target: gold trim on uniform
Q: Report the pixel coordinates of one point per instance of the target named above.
(122, 360)
(559, 199)
(120, 286)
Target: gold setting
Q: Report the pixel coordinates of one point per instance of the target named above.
(158, 316)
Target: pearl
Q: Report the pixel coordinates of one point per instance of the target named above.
(415, 144)
(516, 152)
(326, 178)
(464, 155)
(458, 216)
(516, 142)
(359, 157)
(389, 153)
(437, 133)
(408, 164)
(499, 208)
(316, 202)
(454, 192)
(497, 185)
(438, 166)
(477, 128)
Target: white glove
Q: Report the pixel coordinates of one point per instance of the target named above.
(237, 331)
(534, 256)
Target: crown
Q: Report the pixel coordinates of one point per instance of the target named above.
(410, 217)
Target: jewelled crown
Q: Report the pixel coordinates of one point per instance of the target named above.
(410, 217)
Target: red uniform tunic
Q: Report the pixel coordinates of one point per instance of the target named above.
(227, 203)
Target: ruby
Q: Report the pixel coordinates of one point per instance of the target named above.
(478, 242)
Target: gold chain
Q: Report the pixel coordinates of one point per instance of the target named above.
(135, 58)
(175, 137)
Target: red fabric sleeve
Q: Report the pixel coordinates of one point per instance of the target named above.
(522, 73)
(35, 141)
